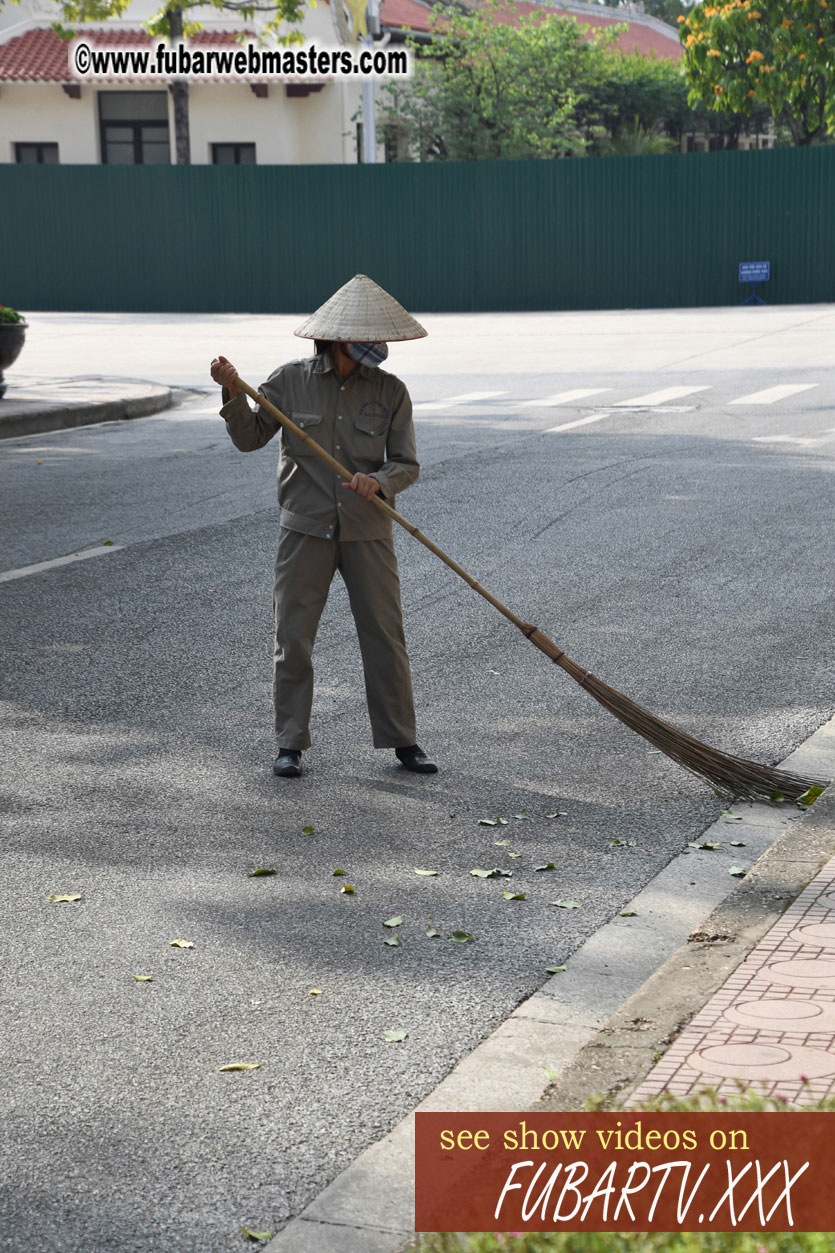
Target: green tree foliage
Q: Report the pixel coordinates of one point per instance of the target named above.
(174, 20)
(495, 84)
(490, 89)
(636, 141)
(779, 53)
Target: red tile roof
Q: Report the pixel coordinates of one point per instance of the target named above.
(405, 15)
(42, 56)
(640, 37)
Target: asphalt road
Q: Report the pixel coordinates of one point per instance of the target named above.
(679, 548)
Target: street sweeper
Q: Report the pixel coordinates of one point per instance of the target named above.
(341, 402)
(341, 338)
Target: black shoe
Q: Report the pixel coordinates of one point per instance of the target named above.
(288, 763)
(414, 758)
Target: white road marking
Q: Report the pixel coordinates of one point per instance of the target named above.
(771, 394)
(561, 398)
(806, 441)
(659, 398)
(24, 571)
(465, 398)
(566, 426)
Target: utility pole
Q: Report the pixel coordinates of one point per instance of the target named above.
(369, 112)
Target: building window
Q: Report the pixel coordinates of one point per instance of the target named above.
(134, 128)
(233, 154)
(36, 154)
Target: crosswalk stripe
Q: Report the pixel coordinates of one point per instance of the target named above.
(660, 398)
(465, 398)
(566, 426)
(561, 398)
(771, 394)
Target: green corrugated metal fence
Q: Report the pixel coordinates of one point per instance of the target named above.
(617, 232)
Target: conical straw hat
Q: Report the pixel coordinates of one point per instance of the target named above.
(361, 312)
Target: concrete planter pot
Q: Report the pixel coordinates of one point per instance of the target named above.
(12, 336)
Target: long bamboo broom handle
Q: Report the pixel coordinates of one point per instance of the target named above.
(379, 503)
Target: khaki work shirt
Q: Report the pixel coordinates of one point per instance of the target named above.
(364, 421)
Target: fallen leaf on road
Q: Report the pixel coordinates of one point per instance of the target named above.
(555, 970)
(628, 913)
(56, 897)
(557, 813)
(431, 933)
(492, 822)
(551, 1075)
(737, 843)
(395, 1037)
(347, 889)
(565, 904)
(182, 944)
(393, 941)
(616, 843)
(524, 814)
(548, 865)
(502, 843)
(428, 873)
(338, 872)
(315, 992)
(777, 797)
(708, 845)
(738, 872)
(809, 797)
(731, 817)
(308, 830)
(396, 921)
(485, 874)
(144, 978)
(261, 872)
(257, 1235)
(514, 896)
(461, 937)
(510, 854)
(240, 1066)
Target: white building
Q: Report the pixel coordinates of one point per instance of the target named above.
(48, 116)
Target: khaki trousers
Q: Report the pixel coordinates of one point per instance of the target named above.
(304, 570)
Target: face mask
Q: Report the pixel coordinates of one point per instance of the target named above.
(367, 354)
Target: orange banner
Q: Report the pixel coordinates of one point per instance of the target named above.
(627, 1171)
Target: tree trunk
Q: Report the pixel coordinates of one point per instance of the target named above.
(179, 93)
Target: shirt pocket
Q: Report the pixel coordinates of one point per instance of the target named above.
(369, 432)
(310, 423)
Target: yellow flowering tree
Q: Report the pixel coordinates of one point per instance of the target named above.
(781, 53)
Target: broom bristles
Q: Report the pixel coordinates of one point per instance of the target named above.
(734, 777)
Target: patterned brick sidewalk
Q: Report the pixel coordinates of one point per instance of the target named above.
(772, 1025)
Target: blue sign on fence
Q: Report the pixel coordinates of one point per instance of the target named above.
(754, 271)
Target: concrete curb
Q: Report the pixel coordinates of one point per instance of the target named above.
(578, 1023)
(629, 1045)
(41, 409)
